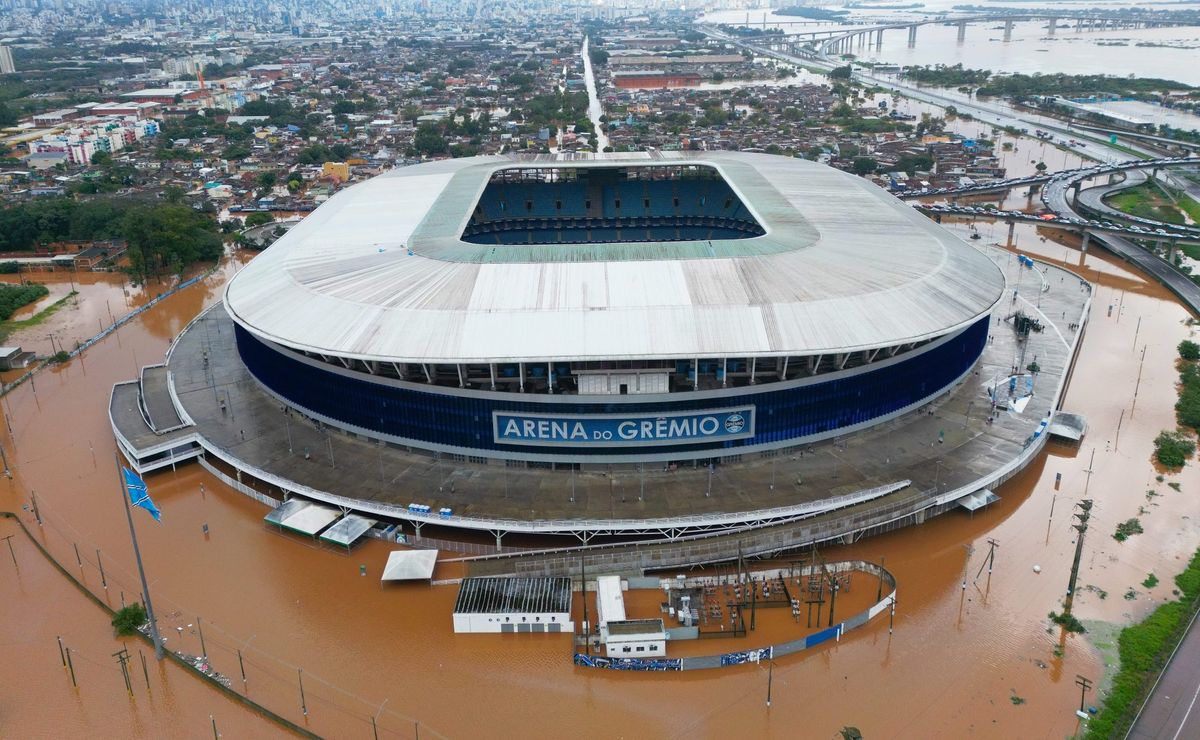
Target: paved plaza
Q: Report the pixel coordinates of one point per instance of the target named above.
(939, 448)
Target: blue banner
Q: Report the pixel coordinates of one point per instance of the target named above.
(614, 430)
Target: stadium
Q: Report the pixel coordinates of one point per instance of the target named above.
(689, 355)
(668, 307)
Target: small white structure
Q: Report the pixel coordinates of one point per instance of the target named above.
(410, 565)
(636, 638)
(514, 605)
(626, 638)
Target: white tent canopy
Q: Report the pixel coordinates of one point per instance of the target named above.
(410, 565)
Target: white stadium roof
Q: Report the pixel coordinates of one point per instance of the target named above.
(379, 273)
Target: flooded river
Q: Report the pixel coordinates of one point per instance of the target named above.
(1145, 52)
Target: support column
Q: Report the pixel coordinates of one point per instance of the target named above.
(962, 31)
(879, 39)
(1012, 227)
(1052, 27)
(1008, 27)
(1087, 238)
(1171, 254)
(912, 36)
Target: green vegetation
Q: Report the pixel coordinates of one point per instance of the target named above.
(160, 236)
(127, 620)
(13, 297)
(1187, 408)
(1150, 582)
(947, 76)
(1127, 529)
(813, 14)
(60, 357)
(1023, 85)
(8, 327)
(1068, 621)
(1146, 201)
(1016, 700)
(1144, 649)
(1173, 449)
(258, 219)
(1189, 350)
(320, 154)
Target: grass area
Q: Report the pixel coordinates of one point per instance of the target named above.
(1146, 201)
(1191, 206)
(8, 327)
(1144, 649)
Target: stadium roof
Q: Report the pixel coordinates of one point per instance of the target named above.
(379, 272)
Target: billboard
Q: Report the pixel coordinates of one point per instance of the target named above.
(617, 430)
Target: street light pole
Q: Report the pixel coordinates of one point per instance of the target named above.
(137, 555)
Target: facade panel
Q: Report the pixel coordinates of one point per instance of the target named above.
(781, 416)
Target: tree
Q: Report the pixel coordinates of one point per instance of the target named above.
(343, 107)
(1189, 350)
(101, 158)
(258, 219)
(864, 165)
(128, 619)
(428, 140)
(1040, 167)
(266, 180)
(841, 73)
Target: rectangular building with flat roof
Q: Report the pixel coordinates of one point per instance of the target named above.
(514, 605)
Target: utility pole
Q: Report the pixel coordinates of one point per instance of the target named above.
(8, 539)
(137, 555)
(587, 633)
(1085, 685)
(1086, 506)
(990, 559)
(770, 679)
(122, 655)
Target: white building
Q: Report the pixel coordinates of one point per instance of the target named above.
(622, 637)
(514, 605)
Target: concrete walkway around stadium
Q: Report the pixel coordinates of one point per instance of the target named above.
(254, 430)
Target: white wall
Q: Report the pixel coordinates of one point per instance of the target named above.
(534, 623)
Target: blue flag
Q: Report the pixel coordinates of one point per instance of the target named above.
(138, 495)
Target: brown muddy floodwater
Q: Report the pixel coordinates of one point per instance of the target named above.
(958, 664)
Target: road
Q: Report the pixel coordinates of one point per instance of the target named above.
(594, 109)
(1172, 710)
(1057, 200)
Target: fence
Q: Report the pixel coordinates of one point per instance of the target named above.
(886, 603)
(115, 325)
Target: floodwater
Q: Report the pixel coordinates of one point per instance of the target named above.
(1030, 50)
(101, 298)
(959, 662)
(595, 110)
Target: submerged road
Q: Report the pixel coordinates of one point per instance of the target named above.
(1172, 711)
(594, 109)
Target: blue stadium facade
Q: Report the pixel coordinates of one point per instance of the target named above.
(572, 428)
